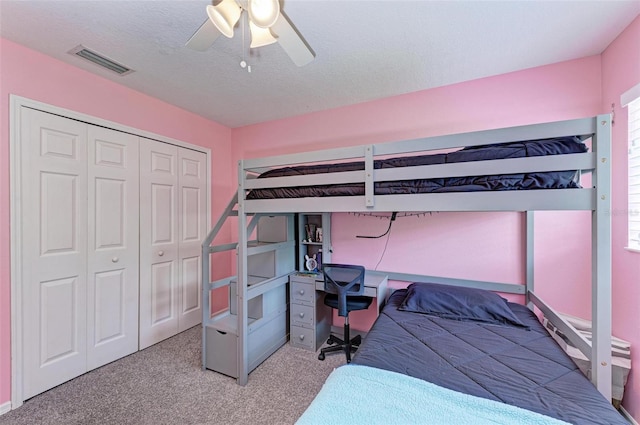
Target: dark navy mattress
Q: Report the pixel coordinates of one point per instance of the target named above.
(518, 366)
(524, 181)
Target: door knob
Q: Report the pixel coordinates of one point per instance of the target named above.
(161, 253)
(115, 259)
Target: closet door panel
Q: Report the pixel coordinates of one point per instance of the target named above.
(113, 206)
(193, 225)
(159, 264)
(54, 251)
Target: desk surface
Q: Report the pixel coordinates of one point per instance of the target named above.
(375, 284)
(371, 280)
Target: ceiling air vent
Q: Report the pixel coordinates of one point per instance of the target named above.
(100, 60)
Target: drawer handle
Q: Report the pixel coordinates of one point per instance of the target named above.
(301, 337)
(301, 315)
(301, 291)
(161, 253)
(115, 259)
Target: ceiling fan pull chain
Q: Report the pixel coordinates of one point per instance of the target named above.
(243, 62)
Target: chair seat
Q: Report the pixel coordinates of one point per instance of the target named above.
(353, 302)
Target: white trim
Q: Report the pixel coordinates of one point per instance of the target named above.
(633, 174)
(34, 104)
(631, 249)
(628, 416)
(16, 258)
(630, 95)
(16, 104)
(5, 408)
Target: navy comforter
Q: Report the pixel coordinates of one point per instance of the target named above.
(520, 367)
(546, 180)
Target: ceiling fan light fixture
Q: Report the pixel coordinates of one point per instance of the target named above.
(225, 16)
(260, 36)
(264, 13)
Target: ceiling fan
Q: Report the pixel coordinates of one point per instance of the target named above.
(267, 23)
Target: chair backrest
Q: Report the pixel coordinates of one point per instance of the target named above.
(343, 280)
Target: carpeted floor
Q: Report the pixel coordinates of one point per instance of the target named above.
(164, 384)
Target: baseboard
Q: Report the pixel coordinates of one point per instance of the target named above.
(627, 416)
(5, 407)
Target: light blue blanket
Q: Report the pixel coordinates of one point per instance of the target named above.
(356, 394)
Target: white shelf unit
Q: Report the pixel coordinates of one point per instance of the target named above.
(313, 247)
(256, 323)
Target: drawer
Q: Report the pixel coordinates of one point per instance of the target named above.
(302, 337)
(222, 352)
(301, 315)
(302, 293)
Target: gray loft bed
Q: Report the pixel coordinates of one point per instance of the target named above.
(595, 199)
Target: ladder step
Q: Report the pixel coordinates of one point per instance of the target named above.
(221, 282)
(266, 247)
(222, 248)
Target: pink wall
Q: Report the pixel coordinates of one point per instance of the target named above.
(32, 75)
(620, 72)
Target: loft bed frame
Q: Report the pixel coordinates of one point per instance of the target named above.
(595, 199)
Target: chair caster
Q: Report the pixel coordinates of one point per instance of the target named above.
(330, 340)
(321, 356)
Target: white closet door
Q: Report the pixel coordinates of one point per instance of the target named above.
(112, 321)
(192, 227)
(54, 251)
(159, 266)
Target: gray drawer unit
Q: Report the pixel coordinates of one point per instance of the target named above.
(310, 319)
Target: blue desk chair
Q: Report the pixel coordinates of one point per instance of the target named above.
(344, 286)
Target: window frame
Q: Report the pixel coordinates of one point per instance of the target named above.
(633, 175)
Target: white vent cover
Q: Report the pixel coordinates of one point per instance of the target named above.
(100, 60)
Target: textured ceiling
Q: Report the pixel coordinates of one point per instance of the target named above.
(365, 49)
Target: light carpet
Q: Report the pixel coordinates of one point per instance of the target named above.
(164, 384)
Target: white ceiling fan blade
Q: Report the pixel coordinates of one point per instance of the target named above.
(204, 37)
(291, 41)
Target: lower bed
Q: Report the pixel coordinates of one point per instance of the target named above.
(506, 362)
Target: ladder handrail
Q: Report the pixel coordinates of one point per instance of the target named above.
(206, 269)
(223, 217)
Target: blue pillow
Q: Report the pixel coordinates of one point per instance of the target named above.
(458, 303)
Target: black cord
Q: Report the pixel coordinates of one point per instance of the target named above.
(385, 248)
(393, 217)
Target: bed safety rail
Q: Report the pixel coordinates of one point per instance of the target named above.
(511, 200)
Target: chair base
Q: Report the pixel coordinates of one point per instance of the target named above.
(346, 345)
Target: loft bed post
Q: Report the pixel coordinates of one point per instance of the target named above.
(601, 259)
(368, 176)
(242, 288)
(529, 257)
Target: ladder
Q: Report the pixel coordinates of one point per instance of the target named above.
(236, 340)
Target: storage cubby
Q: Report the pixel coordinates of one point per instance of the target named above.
(312, 241)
